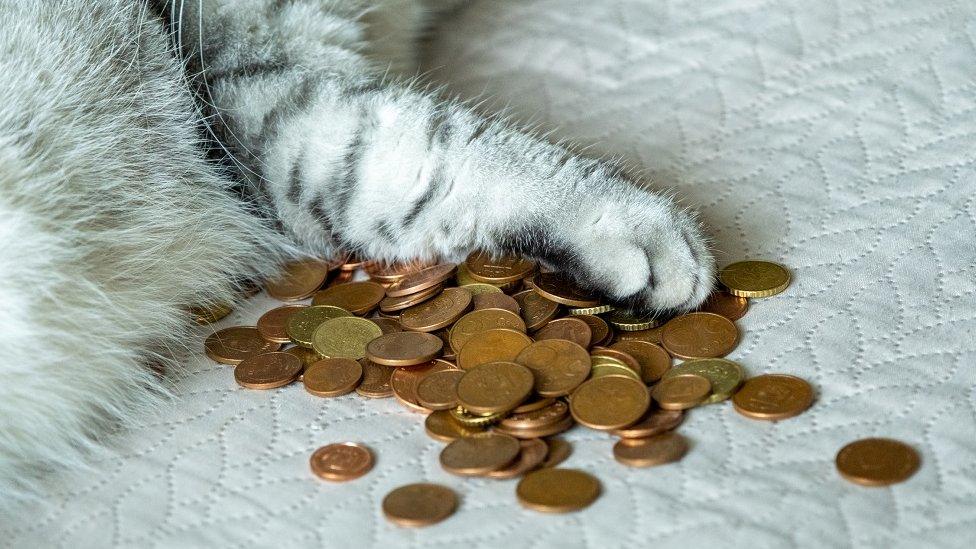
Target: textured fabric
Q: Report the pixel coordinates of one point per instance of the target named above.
(835, 137)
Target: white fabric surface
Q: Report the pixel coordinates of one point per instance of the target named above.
(835, 137)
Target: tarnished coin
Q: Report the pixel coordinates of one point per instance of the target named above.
(648, 452)
(477, 322)
(877, 462)
(421, 280)
(724, 375)
(654, 423)
(600, 331)
(495, 301)
(232, 345)
(302, 324)
(376, 381)
(681, 392)
(534, 403)
(268, 371)
(388, 325)
(439, 312)
(755, 278)
(344, 337)
(404, 382)
(404, 348)
(356, 297)
(479, 454)
(569, 328)
(559, 366)
(331, 377)
(482, 288)
(420, 504)
(609, 402)
(559, 451)
(342, 461)
(298, 280)
(553, 490)
(628, 322)
(494, 387)
(272, 324)
(773, 397)
(498, 270)
(394, 304)
(536, 310)
(699, 335)
(438, 391)
(210, 314)
(441, 425)
(723, 303)
(498, 345)
(654, 360)
(561, 289)
(532, 452)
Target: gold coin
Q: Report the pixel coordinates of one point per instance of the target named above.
(404, 382)
(438, 391)
(481, 288)
(272, 324)
(559, 366)
(628, 322)
(570, 329)
(773, 397)
(609, 402)
(302, 324)
(463, 277)
(441, 425)
(395, 304)
(298, 280)
(724, 375)
(537, 419)
(477, 322)
(554, 490)
(356, 297)
(536, 310)
(681, 392)
(723, 303)
(654, 360)
(498, 345)
(210, 314)
(233, 345)
(421, 280)
(342, 461)
(268, 371)
(654, 423)
(620, 356)
(483, 267)
(495, 301)
(404, 348)
(648, 452)
(651, 336)
(439, 312)
(755, 278)
(376, 381)
(877, 462)
(531, 454)
(479, 454)
(306, 355)
(332, 377)
(344, 337)
(559, 451)
(471, 420)
(561, 289)
(420, 504)
(600, 331)
(603, 366)
(494, 387)
(699, 335)
(598, 310)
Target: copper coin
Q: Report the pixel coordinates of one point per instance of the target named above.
(477, 322)
(499, 345)
(654, 360)
(438, 391)
(700, 335)
(623, 357)
(420, 504)
(554, 490)
(387, 274)
(681, 392)
(536, 310)
(560, 288)
(342, 461)
(495, 301)
(609, 402)
(358, 298)
(600, 331)
(652, 335)
(534, 403)
(331, 377)
(773, 397)
(498, 270)
(210, 314)
(654, 423)
(268, 371)
(404, 382)
(233, 345)
(421, 280)
(448, 352)
(494, 387)
(298, 280)
(648, 452)
(877, 462)
(532, 452)
(441, 425)
(559, 451)
(388, 325)
(554, 429)
(536, 419)
(569, 328)
(404, 349)
(479, 454)
(376, 380)
(723, 303)
(395, 304)
(272, 324)
(559, 366)
(481, 288)
(439, 312)
(340, 277)
(353, 262)
(301, 324)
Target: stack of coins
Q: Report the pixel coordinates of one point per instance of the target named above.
(501, 357)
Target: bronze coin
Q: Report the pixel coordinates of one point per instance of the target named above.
(877, 462)
(298, 280)
(532, 452)
(600, 331)
(376, 380)
(404, 382)
(498, 270)
(388, 274)
(353, 263)
(553, 490)
(534, 403)
(654, 360)
(272, 324)
(394, 304)
(554, 429)
(560, 288)
(648, 452)
(773, 397)
(341, 462)
(498, 345)
(268, 371)
(441, 425)
(438, 391)
(479, 454)
(301, 324)
(681, 392)
(654, 423)
(420, 504)
(569, 328)
(536, 310)
(477, 322)
(723, 303)
(358, 298)
(609, 402)
(404, 349)
(699, 335)
(233, 345)
(559, 366)
(495, 301)
(439, 312)
(332, 377)
(536, 419)
(421, 280)
(494, 387)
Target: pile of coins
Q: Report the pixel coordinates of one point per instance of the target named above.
(501, 356)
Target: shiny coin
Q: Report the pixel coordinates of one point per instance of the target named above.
(469, 419)
(233, 345)
(479, 454)
(559, 451)
(376, 381)
(570, 329)
(388, 274)
(537, 419)
(628, 322)
(755, 278)
(356, 297)
(404, 348)
(353, 263)
(495, 301)
(211, 314)
(498, 345)
(609, 402)
(272, 324)
(699, 335)
(648, 452)
(554, 490)
(877, 462)
(419, 504)
(395, 304)
(561, 289)
(532, 452)
(481, 288)
(654, 360)
(268, 371)
(651, 336)
(599, 330)
(598, 310)
(404, 382)
(421, 280)
(463, 277)
(606, 366)
(331, 377)
(306, 355)
(724, 375)
(441, 425)
(773, 397)
(341, 462)
(559, 366)
(498, 270)
(302, 324)
(554, 429)
(654, 423)
(620, 356)
(477, 322)
(536, 310)
(344, 337)
(681, 392)
(494, 387)
(723, 303)
(439, 312)
(438, 391)
(298, 280)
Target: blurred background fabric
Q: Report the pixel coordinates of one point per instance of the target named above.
(837, 138)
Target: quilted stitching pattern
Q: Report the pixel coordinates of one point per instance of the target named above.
(836, 137)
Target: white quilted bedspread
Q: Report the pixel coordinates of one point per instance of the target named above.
(835, 137)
